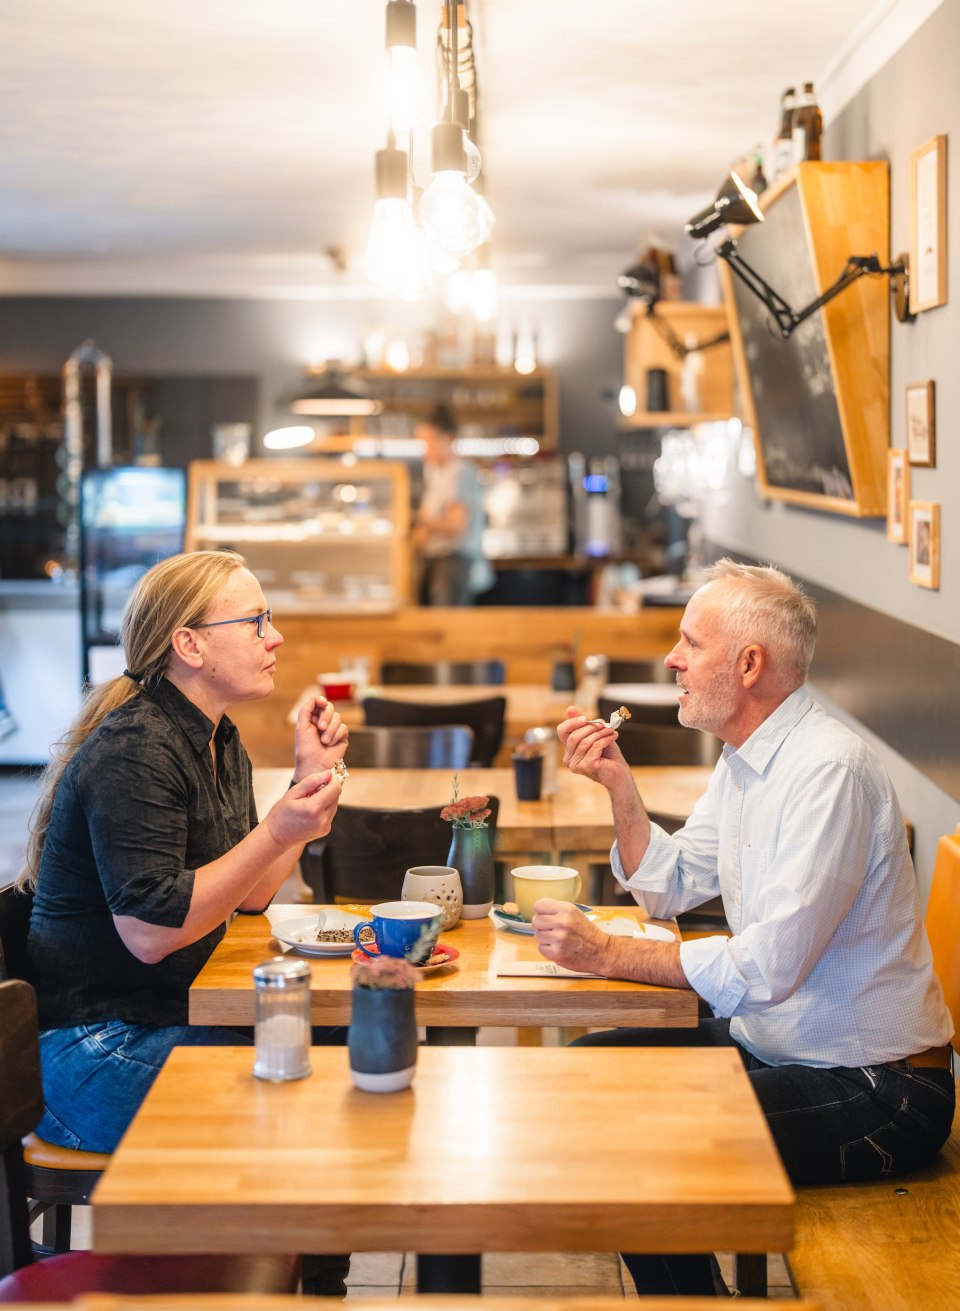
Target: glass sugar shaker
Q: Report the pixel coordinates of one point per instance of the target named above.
(283, 1019)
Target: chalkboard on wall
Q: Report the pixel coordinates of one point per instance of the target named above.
(818, 401)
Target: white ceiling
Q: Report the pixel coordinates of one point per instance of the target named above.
(222, 146)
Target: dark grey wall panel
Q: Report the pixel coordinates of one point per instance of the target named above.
(899, 681)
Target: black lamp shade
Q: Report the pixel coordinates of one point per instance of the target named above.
(734, 203)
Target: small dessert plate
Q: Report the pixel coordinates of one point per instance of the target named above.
(443, 957)
(517, 924)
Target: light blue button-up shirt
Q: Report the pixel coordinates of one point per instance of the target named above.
(801, 835)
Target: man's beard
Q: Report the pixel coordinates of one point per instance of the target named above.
(711, 708)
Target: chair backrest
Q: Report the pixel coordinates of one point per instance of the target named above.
(15, 909)
(368, 850)
(443, 746)
(484, 716)
(21, 1106)
(660, 744)
(640, 712)
(943, 924)
(492, 672)
(639, 671)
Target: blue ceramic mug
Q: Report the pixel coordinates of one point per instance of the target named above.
(402, 928)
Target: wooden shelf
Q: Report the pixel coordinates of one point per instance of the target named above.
(646, 348)
(671, 418)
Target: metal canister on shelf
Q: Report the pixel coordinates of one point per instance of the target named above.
(282, 1038)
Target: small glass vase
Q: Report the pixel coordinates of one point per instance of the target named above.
(382, 1040)
(470, 853)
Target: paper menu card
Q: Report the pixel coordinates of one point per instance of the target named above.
(541, 969)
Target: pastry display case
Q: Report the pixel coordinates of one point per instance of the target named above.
(322, 536)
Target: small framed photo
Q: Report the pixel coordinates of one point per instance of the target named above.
(928, 225)
(921, 425)
(898, 495)
(925, 543)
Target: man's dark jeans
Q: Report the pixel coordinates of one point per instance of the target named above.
(829, 1126)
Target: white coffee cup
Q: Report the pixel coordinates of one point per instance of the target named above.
(439, 884)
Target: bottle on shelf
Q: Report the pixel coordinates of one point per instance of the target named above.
(758, 179)
(807, 126)
(783, 143)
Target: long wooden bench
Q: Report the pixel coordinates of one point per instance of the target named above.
(894, 1245)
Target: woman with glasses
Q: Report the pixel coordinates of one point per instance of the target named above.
(145, 839)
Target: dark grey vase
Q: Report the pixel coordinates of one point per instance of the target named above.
(382, 1039)
(470, 853)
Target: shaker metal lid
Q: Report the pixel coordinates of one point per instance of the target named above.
(279, 972)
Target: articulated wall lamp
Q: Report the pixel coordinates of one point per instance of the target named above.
(736, 203)
(642, 282)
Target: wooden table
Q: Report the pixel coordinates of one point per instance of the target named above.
(471, 995)
(561, 1301)
(523, 827)
(491, 1149)
(575, 820)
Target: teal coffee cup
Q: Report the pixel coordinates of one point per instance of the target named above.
(402, 928)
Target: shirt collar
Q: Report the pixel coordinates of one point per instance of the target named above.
(764, 742)
(194, 724)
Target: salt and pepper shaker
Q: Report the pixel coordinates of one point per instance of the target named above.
(283, 1019)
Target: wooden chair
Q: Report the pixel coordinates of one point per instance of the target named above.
(485, 716)
(893, 1245)
(369, 850)
(640, 712)
(55, 1178)
(447, 672)
(663, 744)
(443, 746)
(71, 1274)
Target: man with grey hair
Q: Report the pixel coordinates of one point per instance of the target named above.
(826, 984)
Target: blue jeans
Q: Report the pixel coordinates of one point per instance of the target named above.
(96, 1075)
(829, 1125)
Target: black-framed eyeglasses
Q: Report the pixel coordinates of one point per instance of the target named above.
(261, 620)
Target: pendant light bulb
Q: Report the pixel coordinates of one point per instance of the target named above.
(405, 93)
(448, 211)
(396, 259)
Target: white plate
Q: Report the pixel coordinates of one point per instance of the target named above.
(521, 926)
(301, 933)
(652, 932)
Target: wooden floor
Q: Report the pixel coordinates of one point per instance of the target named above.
(376, 1274)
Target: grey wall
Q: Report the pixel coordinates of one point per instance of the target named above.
(274, 341)
(913, 97)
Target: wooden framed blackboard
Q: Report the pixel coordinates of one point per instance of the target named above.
(819, 401)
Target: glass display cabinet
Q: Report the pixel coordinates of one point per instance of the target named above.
(323, 537)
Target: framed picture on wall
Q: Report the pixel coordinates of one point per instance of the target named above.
(925, 543)
(898, 495)
(921, 425)
(928, 225)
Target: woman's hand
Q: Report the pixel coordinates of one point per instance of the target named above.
(305, 811)
(319, 739)
(590, 748)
